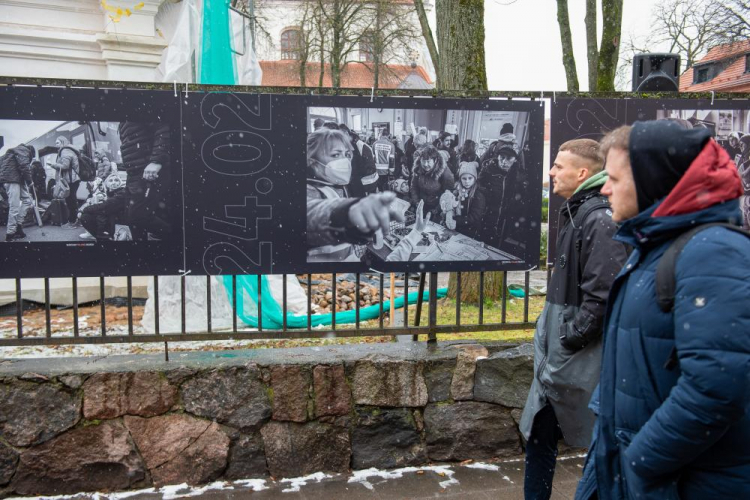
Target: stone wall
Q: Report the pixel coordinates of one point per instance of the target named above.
(127, 422)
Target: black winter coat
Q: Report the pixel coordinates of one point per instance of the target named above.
(15, 165)
(587, 261)
(141, 144)
(469, 222)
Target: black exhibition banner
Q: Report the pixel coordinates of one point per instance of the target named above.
(90, 182)
(284, 184)
(126, 182)
(728, 121)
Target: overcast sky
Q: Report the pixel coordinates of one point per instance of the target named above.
(522, 41)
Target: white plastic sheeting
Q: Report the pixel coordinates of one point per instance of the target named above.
(181, 26)
(196, 306)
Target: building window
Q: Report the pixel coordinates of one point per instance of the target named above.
(747, 63)
(367, 48)
(290, 44)
(702, 74)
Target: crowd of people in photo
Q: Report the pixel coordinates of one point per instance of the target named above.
(114, 209)
(352, 184)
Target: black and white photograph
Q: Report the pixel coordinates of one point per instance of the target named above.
(422, 185)
(85, 181)
(731, 129)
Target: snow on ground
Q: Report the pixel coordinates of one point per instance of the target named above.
(362, 476)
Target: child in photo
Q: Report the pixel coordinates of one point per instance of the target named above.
(103, 203)
(471, 203)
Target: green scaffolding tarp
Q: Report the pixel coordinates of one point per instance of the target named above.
(273, 316)
(216, 64)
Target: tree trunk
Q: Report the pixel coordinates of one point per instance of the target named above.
(609, 49)
(460, 39)
(569, 61)
(493, 287)
(376, 72)
(427, 34)
(592, 47)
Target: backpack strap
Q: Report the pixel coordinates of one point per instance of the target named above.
(594, 203)
(665, 270)
(666, 282)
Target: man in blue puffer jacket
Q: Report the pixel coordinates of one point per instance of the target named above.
(679, 429)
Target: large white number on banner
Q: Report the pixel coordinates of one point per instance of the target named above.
(216, 106)
(236, 152)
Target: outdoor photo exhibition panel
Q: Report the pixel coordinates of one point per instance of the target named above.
(127, 182)
(101, 191)
(284, 184)
(728, 121)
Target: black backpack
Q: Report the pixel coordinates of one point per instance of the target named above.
(665, 273)
(86, 168)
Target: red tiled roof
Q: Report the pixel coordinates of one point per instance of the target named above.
(285, 73)
(734, 78)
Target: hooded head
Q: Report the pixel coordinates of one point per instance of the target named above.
(656, 160)
(61, 141)
(660, 153)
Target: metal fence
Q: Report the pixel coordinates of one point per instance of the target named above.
(412, 315)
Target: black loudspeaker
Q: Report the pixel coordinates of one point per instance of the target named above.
(656, 73)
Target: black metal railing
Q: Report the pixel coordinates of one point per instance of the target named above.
(374, 327)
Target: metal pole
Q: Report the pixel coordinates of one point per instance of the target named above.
(432, 336)
(418, 319)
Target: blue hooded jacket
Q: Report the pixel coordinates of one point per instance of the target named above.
(682, 432)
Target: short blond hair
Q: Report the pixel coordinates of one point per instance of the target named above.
(618, 138)
(589, 150)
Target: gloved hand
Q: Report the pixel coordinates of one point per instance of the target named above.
(570, 338)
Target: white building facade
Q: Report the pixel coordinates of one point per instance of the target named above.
(76, 39)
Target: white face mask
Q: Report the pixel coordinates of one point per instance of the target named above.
(338, 172)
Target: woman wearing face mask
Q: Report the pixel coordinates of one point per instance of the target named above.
(430, 179)
(337, 224)
(470, 211)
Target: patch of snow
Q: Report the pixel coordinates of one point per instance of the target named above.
(126, 494)
(363, 476)
(296, 482)
(170, 492)
(255, 484)
(480, 465)
(569, 457)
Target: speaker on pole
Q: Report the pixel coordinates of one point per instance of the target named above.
(656, 72)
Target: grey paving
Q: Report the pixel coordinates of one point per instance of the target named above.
(459, 482)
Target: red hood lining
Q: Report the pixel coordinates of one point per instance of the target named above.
(712, 178)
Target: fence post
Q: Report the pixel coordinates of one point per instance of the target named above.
(432, 336)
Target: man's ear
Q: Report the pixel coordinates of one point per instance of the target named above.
(583, 174)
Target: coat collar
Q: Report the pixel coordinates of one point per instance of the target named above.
(645, 229)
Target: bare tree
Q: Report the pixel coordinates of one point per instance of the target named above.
(460, 41)
(391, 36)
(459, 61)
(602, 61)
(687, 27)
(344, 25)
(427, 34)
(735, 18)
(566, 38)
(592, 47)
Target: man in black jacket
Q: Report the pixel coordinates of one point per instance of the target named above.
(145, 152)
(15, 175)
(567, 341)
